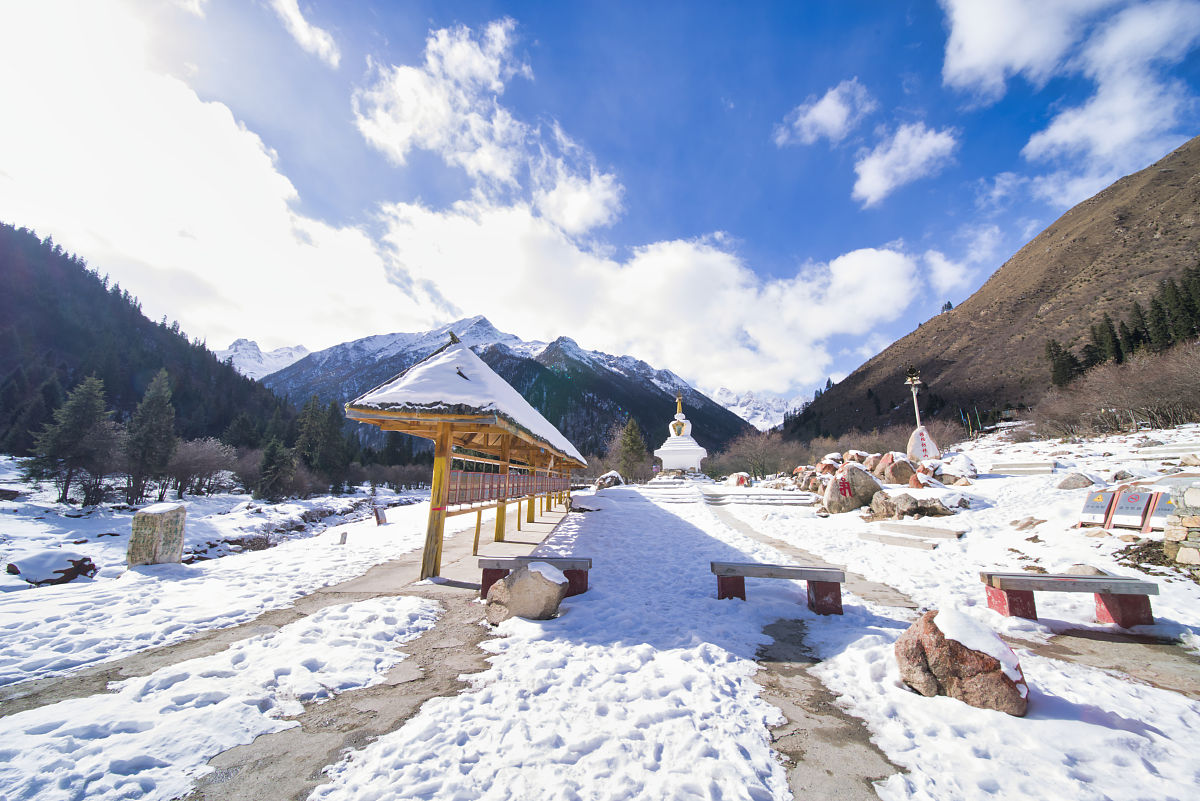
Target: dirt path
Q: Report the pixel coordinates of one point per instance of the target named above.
(827, 752)
(291, 763)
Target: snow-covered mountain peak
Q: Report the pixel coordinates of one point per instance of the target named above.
(762, 410)
(249, 360)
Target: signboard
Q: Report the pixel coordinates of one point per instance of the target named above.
(1095, 508)
(1130, 509)
(1158, 514)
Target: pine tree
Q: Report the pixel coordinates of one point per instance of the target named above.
(1179, 316)
(631, 451)
(1128, 343)
(79, 443)
(1139, 326)
(242, 433)
(1110, 343)
(1064, 367)
(151, 439)
(278, 467)
(1158, 326)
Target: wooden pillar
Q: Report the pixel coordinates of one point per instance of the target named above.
(431, 558)
(478, 525)
(529, 513)
(502, 509)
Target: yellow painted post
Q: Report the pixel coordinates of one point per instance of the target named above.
(502, 509)
(431, 558)
(478, 524)
(529, 513)
(518, 514)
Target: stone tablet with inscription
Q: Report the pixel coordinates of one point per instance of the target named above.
(1095, 509)
(1130, 508)
(157, 535)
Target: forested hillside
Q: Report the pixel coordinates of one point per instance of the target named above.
(61, 321)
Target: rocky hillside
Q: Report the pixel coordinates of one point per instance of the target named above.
(1099, 257)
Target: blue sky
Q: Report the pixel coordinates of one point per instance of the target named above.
(752, 195)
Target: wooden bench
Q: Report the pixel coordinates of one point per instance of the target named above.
(824, 583)
(1120, 600)
(574, 568)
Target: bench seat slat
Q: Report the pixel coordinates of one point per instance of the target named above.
(758, 570)
(1112, 585)
(510, 562)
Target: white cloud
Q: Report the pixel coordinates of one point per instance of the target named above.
(311, 38)
(993, 40)
(1000, 191)
(832, 116)
(563, 194)
(946, 275)
(1134, 115)
(981, 249)
(449, 105)
(913, 152)
(689, 305)
(171, 195)
(193, 6)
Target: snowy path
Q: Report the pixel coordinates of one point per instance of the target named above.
(643, 688)
(53, 630)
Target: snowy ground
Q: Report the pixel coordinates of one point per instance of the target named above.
(642, 688)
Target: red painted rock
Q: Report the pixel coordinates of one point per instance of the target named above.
(982, 672)
(921, 446)
(852, 487)
(827, 468)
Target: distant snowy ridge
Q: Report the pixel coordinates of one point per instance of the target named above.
(761, 410)
(581, 392)
(249, 360)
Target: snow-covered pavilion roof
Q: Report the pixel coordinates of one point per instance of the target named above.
(455, 384)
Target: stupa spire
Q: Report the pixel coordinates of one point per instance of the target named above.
(678, 403)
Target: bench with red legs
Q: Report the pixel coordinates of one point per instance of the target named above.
(1120, 600)
(824, 583)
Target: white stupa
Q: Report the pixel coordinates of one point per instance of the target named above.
(680, 451)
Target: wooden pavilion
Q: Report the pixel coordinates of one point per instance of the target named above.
(474, 417)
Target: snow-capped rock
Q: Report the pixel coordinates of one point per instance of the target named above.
(249, 360)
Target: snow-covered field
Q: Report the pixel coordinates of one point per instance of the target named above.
(642, 688)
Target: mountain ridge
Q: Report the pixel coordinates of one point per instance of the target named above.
(1097, 258)
(582, 392)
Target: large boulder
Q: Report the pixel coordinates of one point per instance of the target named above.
(947, 653)
(852, 487)
(895, 507)
(610, 479)
(899, 471)
(872, 461)
(157, 535)
(532, 591)
(921, 445)
(1075, 481)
